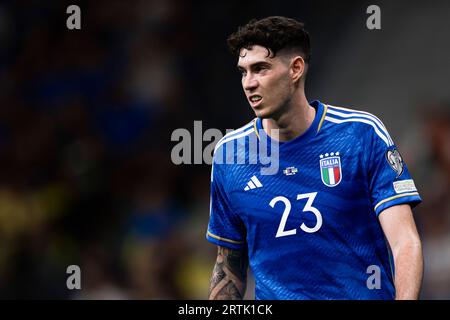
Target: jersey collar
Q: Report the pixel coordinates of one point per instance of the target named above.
(313, 129)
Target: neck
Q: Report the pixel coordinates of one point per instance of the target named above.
(293, 122)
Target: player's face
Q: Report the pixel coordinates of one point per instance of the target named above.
(266, 81)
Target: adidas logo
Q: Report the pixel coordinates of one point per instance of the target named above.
(253, 184)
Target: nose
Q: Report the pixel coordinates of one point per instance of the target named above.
(249, 82)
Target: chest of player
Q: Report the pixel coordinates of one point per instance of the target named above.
(311, 187)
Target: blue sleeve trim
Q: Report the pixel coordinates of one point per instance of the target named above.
(412, 199)
(224, 242)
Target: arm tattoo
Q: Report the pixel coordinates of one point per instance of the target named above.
(229, 278)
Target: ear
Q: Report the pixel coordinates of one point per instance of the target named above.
(297, 68)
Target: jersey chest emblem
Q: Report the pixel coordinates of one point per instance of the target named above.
(330, 169)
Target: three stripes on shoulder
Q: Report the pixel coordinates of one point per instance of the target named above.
(341, 115)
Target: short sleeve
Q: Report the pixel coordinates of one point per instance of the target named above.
(390, 182)
(225, 228)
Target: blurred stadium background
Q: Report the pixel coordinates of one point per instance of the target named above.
(86, 119)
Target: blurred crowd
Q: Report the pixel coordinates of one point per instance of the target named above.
(432, 176)
(85, 170)
(86, 178)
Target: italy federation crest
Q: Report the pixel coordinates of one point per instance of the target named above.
(330, 169)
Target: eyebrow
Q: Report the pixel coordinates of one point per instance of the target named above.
(255, 64)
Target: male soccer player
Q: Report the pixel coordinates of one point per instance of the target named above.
(335, 221)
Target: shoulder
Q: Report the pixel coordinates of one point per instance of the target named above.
(235, 137)
(228, 146)
(359, 123)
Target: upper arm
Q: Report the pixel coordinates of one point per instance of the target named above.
(237, 259)
(398, 226)
(225, 227)
(229, 278)
(388, 179)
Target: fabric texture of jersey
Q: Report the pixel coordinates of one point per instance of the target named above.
(311, 229)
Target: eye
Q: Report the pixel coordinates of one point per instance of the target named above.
(259, 68)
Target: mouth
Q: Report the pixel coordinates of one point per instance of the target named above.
(255, 100)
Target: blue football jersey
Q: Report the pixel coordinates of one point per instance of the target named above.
(311, 227)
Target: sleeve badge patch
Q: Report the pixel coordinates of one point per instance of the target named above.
(395, 160)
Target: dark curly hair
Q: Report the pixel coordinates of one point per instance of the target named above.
(274, 33)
